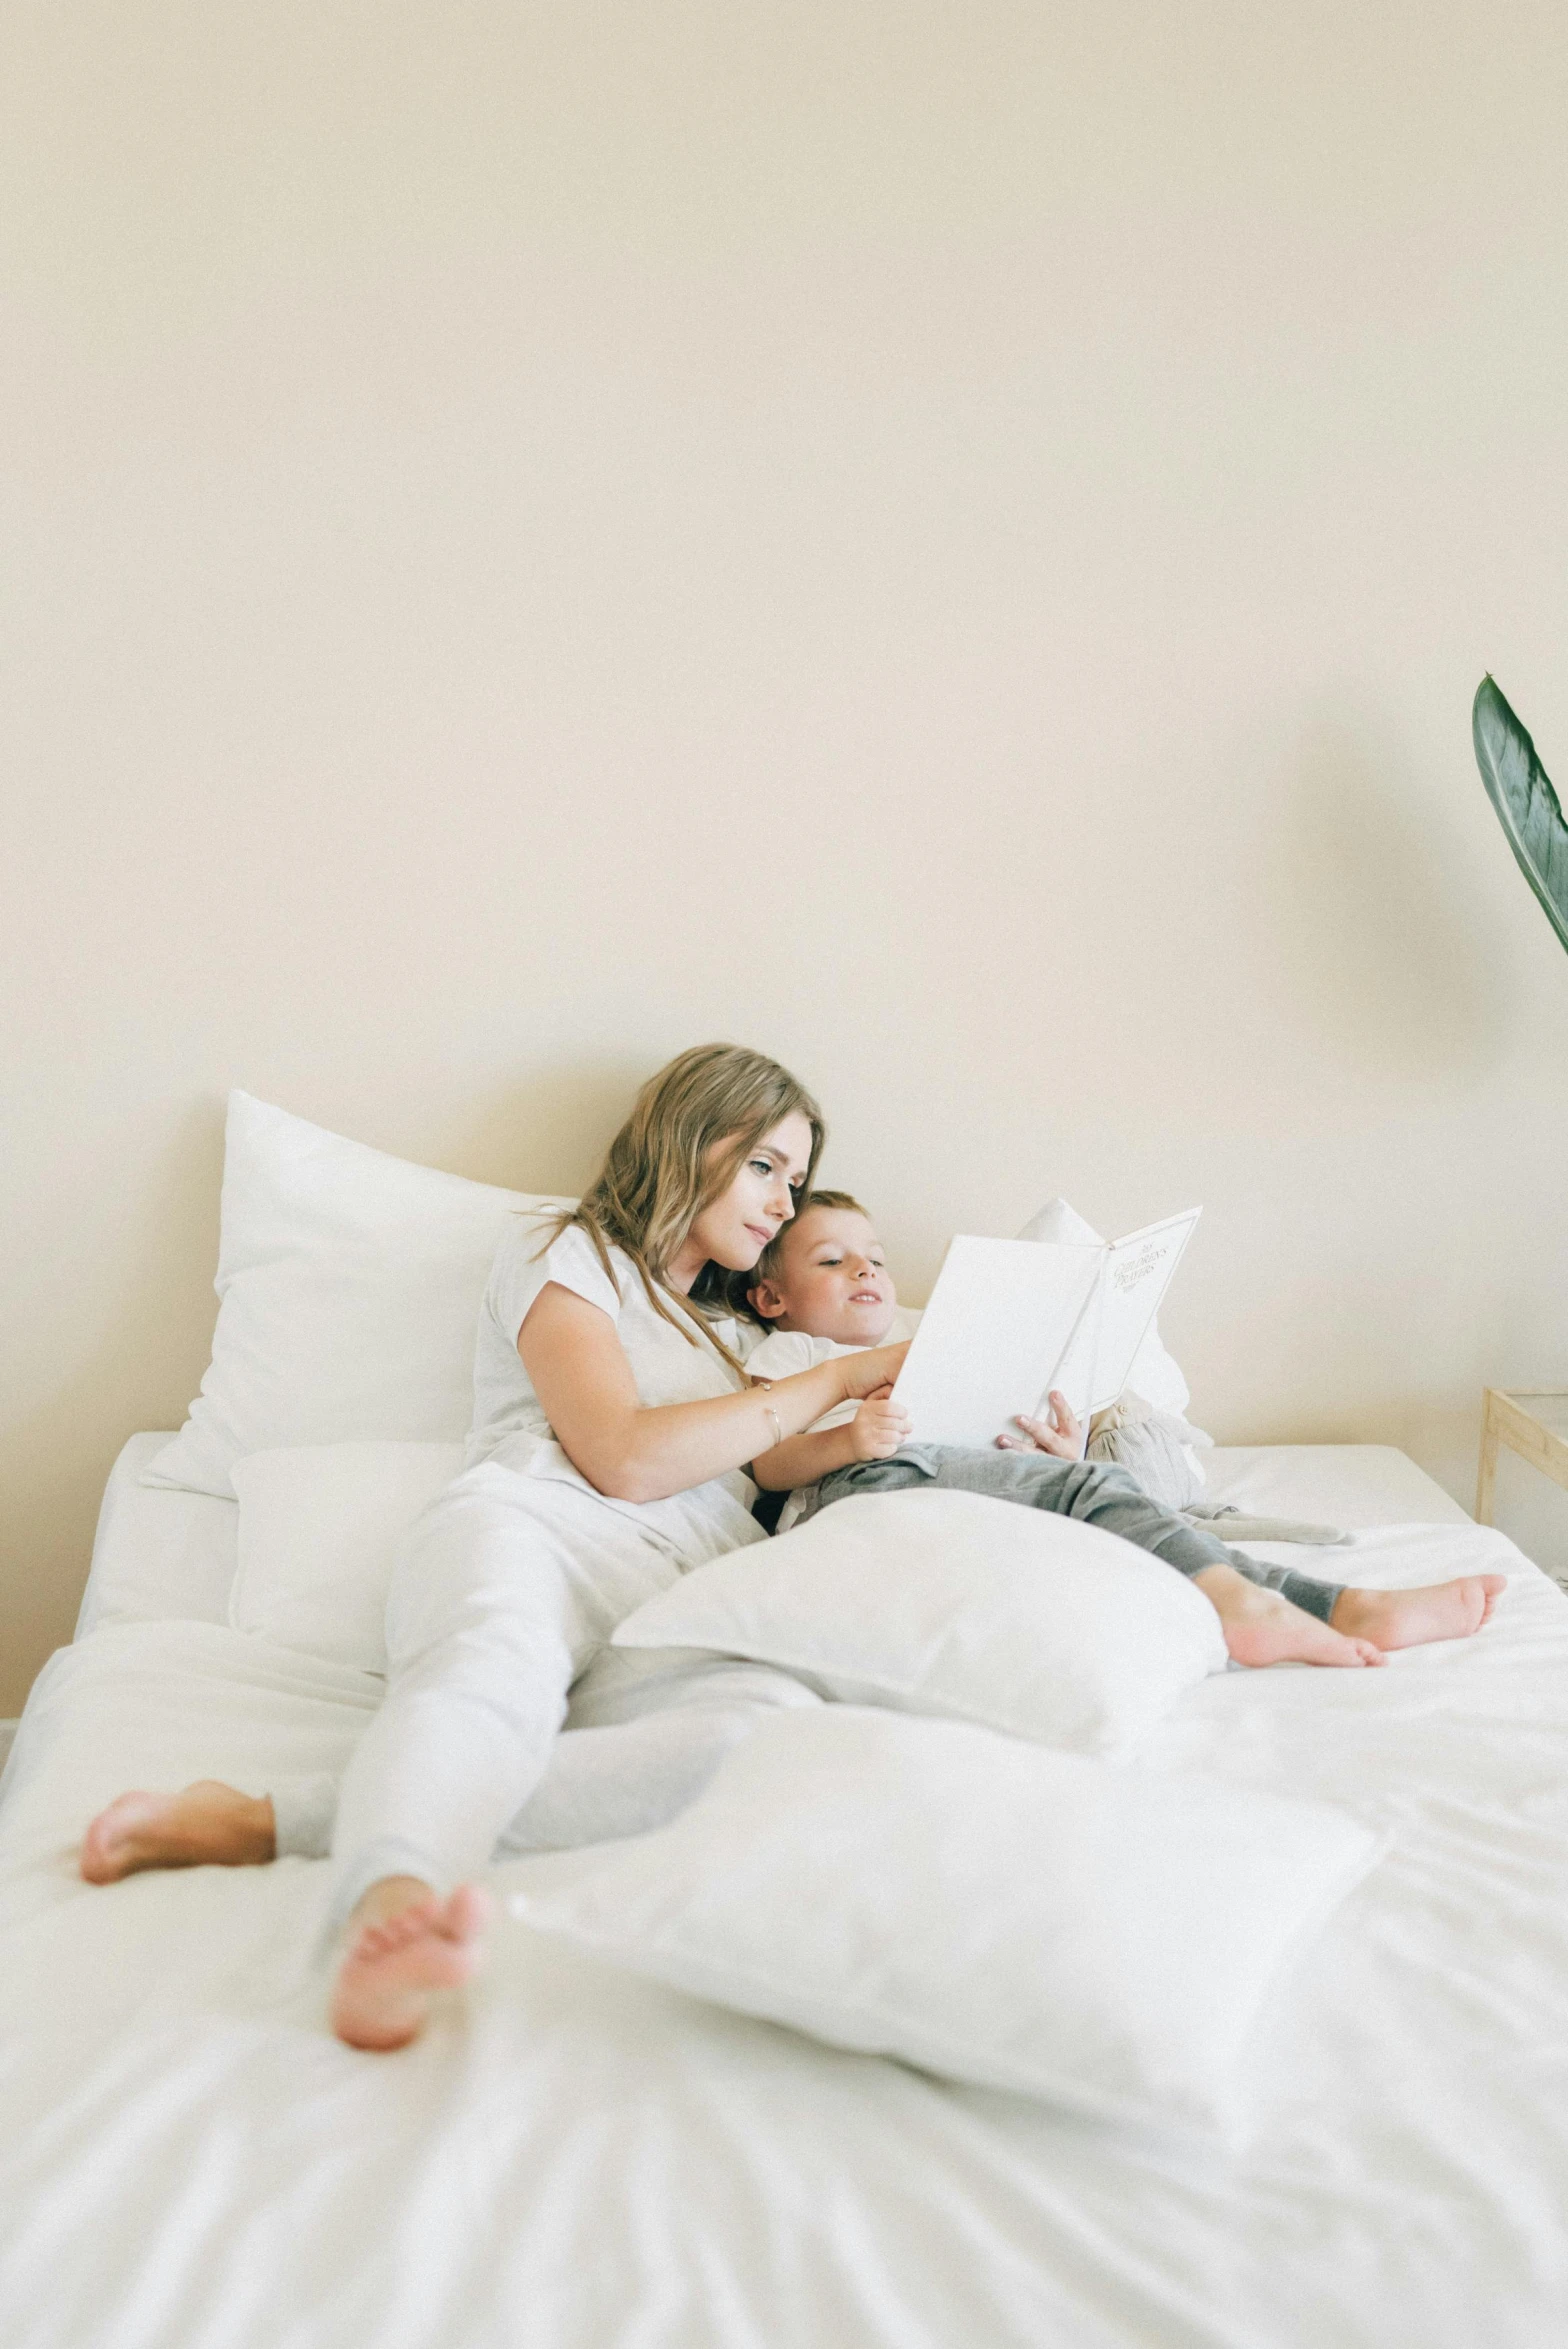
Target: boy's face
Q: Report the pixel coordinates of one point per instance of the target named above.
(831, 1280)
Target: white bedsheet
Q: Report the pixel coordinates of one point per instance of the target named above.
(578, 2160)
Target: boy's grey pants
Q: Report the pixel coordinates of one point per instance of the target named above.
(1100, 1494)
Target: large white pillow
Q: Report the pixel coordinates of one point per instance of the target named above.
(1155, 1374)
(349, 1287)
(942, 1602)
(319, 1528)
(1101, 1936)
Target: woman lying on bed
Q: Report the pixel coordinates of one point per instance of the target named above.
(613, 1423)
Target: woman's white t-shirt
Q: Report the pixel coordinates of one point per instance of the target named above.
(510, 1427)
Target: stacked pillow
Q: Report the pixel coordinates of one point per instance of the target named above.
(349, 1286)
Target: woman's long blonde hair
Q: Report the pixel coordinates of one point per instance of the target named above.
(657, 1175)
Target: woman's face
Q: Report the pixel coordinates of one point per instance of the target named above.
(734, 1228)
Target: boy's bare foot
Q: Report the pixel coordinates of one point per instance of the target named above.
(205, 1825)
(1408, 1618)
(394, 1965)
(1261, 1627)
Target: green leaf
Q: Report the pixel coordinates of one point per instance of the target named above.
(1520, 789)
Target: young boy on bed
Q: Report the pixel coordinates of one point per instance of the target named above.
(824, 1287)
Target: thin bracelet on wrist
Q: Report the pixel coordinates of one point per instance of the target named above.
(765, 1386)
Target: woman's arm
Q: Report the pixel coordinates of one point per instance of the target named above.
(584, 1383)
(875, 1433)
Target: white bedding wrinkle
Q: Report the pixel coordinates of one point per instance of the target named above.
(190, 2162)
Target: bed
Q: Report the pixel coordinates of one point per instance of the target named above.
(583, 2159)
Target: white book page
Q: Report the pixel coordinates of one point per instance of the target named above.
(1074, 1374)
(1000, 1320)
(1137, 1274)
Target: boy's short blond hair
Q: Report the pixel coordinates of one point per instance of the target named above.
(767, 1264)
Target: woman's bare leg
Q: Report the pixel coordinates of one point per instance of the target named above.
(403, 1945)
(618, 1778)
(205, 1825)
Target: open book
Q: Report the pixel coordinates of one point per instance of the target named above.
(1011, 1319)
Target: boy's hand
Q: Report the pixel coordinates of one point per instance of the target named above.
(1060, 1433)
(879, 1427)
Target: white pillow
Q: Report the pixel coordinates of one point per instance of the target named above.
(349, 1287)
(942, 1602)
(1100, 1936)
(1154, 1374)
(319, 1528)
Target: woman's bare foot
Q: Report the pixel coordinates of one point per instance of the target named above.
(395, 1963)
(205, 1825)
(1409, 1618)
(1261, 1627)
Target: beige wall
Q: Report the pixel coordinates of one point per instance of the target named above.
(953, 544)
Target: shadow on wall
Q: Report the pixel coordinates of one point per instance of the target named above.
(1381, 943)
(546, 1133)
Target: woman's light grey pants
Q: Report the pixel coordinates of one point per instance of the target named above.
(653, 1745)
(1096, 1492)
(499, 1615)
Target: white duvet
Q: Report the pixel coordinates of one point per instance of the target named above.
(581, 2160)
